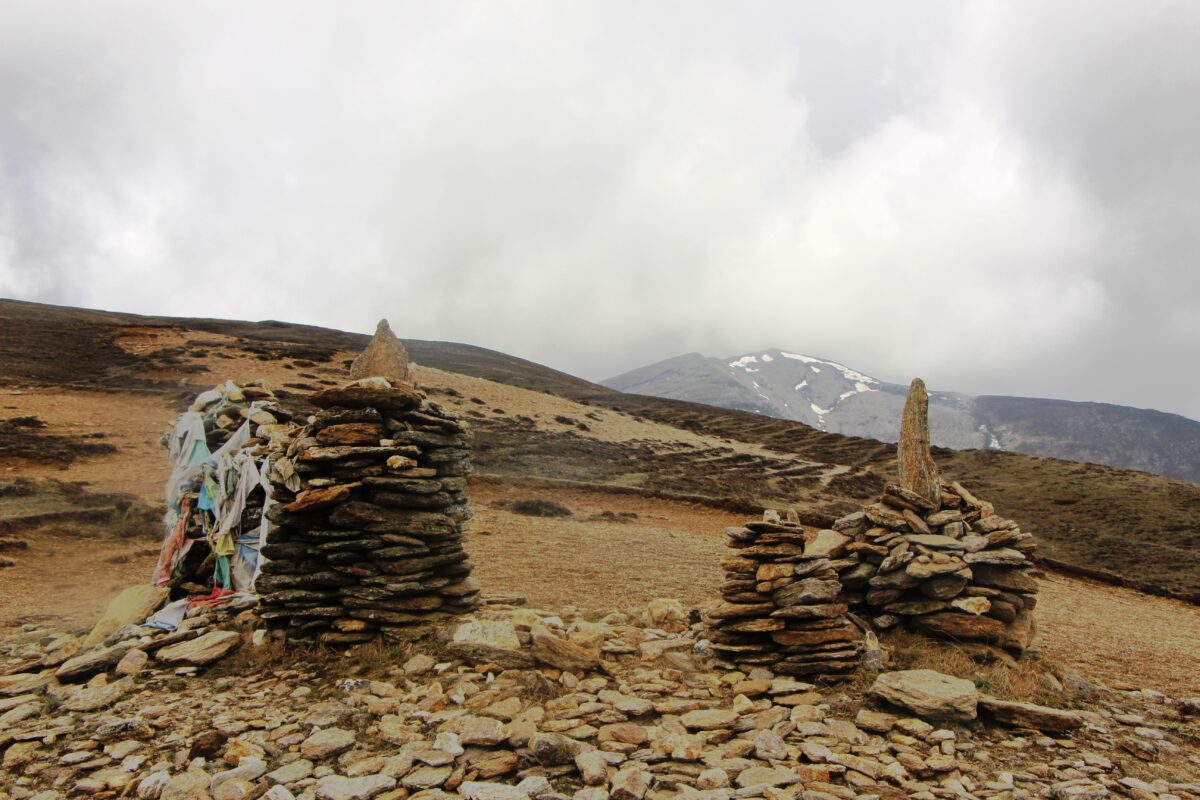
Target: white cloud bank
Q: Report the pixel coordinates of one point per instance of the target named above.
(997, 197)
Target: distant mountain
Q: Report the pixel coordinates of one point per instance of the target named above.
(835, 398)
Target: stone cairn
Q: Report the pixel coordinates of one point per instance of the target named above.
(782, 607)
(371, 511)
(929, 556)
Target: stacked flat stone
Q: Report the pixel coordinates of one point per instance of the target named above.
(782, 606)
(370, 518)
(950, 568)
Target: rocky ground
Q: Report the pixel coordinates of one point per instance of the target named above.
(517, 703)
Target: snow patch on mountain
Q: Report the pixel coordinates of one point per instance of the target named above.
(847, 373)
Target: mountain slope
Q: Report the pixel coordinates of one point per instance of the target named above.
(835, 398)
(109, 369)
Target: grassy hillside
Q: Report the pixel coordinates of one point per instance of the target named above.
(1130, 526)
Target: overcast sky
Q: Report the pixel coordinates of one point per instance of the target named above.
(1001, 198)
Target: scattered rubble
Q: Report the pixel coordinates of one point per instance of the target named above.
(651, 718)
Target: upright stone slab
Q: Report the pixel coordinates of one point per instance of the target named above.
(384, 357)
(918, 473)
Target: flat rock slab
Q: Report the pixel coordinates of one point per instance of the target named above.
(337, 787)
(24, 683)
(766, 776)
(1029, 715)
(369, 393)
(326, 743)
(313, 499)
(809, 591)
(563, 654)
(92, 662)
(479, 790)
(1004, 578)
(709, 719)
(93, 698)
(935, 540)
(202, 650)
(962, 627)
(826, 544)
(928, 693)
(489, 640)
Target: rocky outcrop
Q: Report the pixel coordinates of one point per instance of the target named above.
(1030, 715)
(653, 719)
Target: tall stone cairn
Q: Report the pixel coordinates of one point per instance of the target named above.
(918, 473)
(782, 602)
(371, 514)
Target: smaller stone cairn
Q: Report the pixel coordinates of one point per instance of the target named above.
(936, 557)
(952, 570)
(372, 509)
(782, 604)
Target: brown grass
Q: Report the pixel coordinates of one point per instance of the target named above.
(1120, 636)
(669, 550)
(1030, 681)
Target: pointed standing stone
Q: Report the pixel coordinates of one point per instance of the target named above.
(918, 473)
(385, 357)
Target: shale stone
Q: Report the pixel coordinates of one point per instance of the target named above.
(384, 357)
(918, 473)
(928, 694)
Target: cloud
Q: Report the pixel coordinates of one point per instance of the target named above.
(996, 197)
